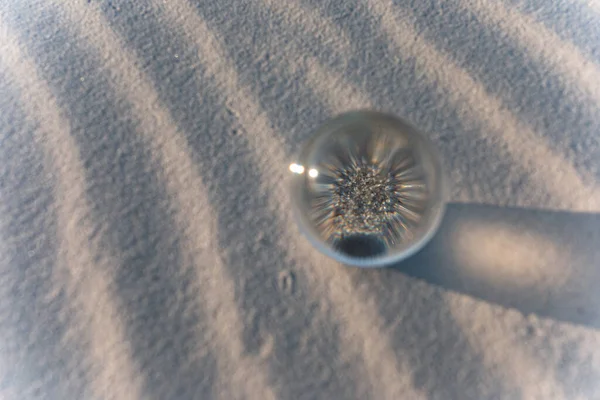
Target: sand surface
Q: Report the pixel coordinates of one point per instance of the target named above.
(148, 249)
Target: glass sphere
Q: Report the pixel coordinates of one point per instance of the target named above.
(368, 189)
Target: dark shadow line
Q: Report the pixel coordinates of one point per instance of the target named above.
(536, 261)
(573, 21)
(273, 311)
(424, 332)
(534, 91)
(124, 188)
(35, 313)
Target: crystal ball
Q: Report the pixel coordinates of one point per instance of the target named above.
(368, 189)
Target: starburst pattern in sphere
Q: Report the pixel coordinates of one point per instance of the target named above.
(373, 191)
